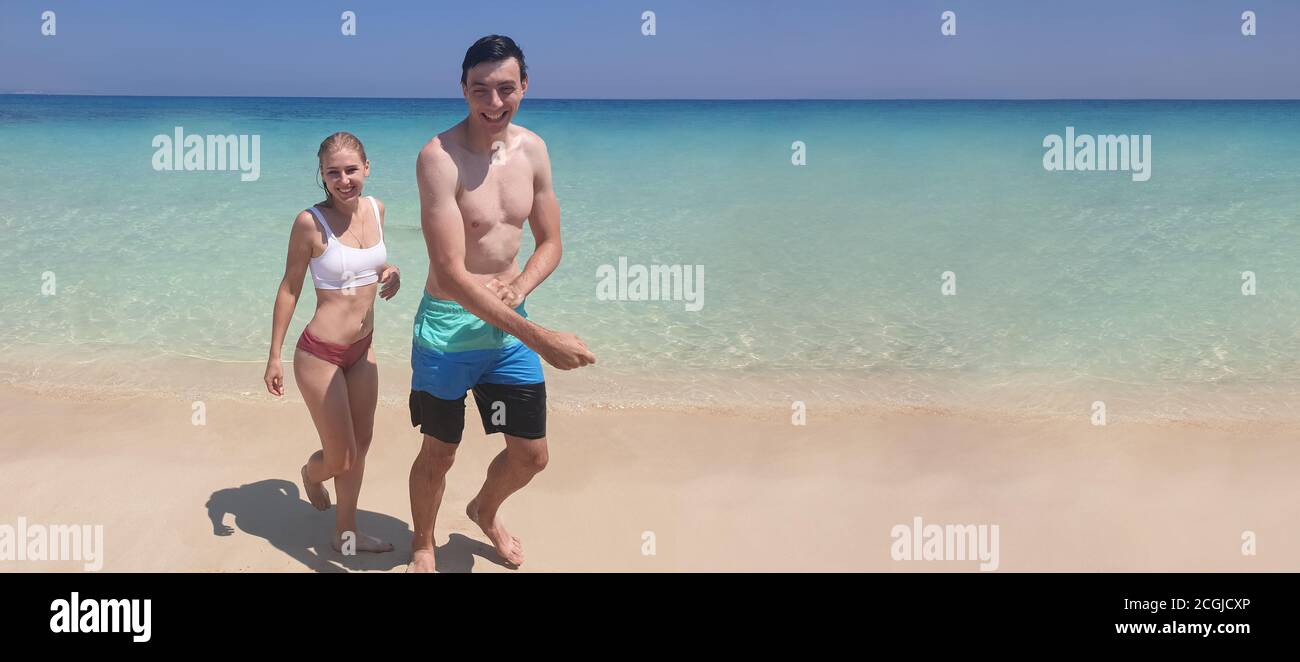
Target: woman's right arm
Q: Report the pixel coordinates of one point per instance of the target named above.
(286, 298)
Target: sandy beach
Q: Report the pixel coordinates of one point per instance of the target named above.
(740, 491)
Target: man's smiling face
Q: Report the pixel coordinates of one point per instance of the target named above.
(493, 91)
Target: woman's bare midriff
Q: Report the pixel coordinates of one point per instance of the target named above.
(344, 316)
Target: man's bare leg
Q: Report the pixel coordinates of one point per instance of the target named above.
(510, 470)
(428, 480)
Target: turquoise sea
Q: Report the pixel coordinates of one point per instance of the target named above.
(821, 279)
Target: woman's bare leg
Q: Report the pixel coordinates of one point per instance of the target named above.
(363, 394)
(325, 390)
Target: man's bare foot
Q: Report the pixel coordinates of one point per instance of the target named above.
(364, 543)
(422, 561)
(316, 492)
(507, 545)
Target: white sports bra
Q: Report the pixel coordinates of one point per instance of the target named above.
(342, 266)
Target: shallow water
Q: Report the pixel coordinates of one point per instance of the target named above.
(826, 275)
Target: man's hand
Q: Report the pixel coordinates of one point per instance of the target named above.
(509, 293)
(565, 351)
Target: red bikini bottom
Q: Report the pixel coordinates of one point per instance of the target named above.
(342, 356)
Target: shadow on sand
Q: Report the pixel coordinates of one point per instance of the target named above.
(274, 510)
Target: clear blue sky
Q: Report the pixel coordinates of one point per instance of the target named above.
(703, 49)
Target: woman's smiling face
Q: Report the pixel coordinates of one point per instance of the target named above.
(344, 173)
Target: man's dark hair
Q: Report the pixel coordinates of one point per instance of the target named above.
(493, 48)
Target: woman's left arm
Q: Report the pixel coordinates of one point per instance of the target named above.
(390, 276)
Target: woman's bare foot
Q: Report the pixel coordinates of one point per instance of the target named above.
(507, 545)
(364, 543)
(422, 561)
(316, 492)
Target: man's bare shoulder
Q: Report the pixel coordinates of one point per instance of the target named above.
(533, 147)
(529, 141)
(439, 151)
(438, 159)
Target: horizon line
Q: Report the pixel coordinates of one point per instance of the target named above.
(387, 98)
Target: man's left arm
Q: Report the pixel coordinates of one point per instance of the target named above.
(544, 221)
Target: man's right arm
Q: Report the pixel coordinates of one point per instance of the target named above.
(444, 237)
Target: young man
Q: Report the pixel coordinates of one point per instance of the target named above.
(479, 181)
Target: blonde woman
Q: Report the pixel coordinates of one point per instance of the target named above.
(341, 241)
